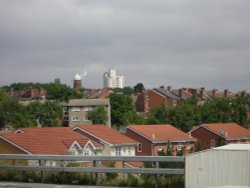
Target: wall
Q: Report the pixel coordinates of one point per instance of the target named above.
(6, 148)
(154, 99)
(212, 168)
(205, 136)
(146, 144)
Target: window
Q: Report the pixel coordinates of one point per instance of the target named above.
(75, 118)
(87, 108)
(86, 152)
(75, 109)
(160, 147)
(139, 147)
(212, 143)
(118, 151)
(129, 150)
(86, 118)
(179, 147)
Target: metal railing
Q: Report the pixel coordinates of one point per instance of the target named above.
(42, 167)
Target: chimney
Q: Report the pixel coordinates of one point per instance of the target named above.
(202, 90)
(214, 92)
(169, 88)
(180, 92)
(225, 93)
(153, 136)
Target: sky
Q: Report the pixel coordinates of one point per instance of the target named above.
(178, 43)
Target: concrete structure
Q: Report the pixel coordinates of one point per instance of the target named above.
(226, 166)
(153, 139)
(111, 80)
(75, 112)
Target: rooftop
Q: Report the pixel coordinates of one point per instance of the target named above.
(161, 133)
(106, 134)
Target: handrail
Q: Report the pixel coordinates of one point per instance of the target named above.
(95, 159)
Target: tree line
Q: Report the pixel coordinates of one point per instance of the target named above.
(123, 113)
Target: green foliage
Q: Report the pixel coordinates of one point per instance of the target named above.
(61, 92)
(98, 115)
(122, 109)
(13, 114)
(126, 91)
(48, 113)
(139, 88)
(186, 115)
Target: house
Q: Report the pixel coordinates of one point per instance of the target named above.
(216, 134)
(114, 143)
(76, 111)
(153, 139)
(48, 141)
(86, 140)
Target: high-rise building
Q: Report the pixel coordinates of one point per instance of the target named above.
(111, 80)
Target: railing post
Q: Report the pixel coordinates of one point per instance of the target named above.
(42, 164)
(157, 176)
(97, 175)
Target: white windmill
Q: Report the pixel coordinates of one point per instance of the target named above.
(78, 80)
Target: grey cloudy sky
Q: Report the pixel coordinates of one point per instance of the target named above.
(182, 43)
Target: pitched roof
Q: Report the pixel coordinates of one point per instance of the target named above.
(167, 93)
(108, 135)
(161, 133)
(228, 130)
(43, 140)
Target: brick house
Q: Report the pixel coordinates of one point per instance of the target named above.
(213, 135)
(155, 138)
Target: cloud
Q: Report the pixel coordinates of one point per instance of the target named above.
(179, 43)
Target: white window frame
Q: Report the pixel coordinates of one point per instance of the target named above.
(159, 147)
(87, 108)
(212, 143)
(85, 118)
(179, 147)
(129, 150)
(139, 147)
(75, 118)
(117, 151)
(75, 109)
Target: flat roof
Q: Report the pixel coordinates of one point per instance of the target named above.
(234, 147)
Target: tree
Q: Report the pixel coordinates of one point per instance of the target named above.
(60, 92)
(13, 114)
(158, 115)
(122, 109)
(47, 114)
(98, 115)
(139, 88)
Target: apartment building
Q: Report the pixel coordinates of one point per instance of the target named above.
(76, 111)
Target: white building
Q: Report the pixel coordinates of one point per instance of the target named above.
(226, 166)
(111, 80)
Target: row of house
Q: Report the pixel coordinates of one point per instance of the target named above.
(141, 140)
(148, 99)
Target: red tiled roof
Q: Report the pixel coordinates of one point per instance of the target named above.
(230, 130)
(161, 133)
(106, 134)
(44, 140)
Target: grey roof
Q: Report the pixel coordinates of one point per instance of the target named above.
(234, 147)
(167, 93)
(88, 102)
